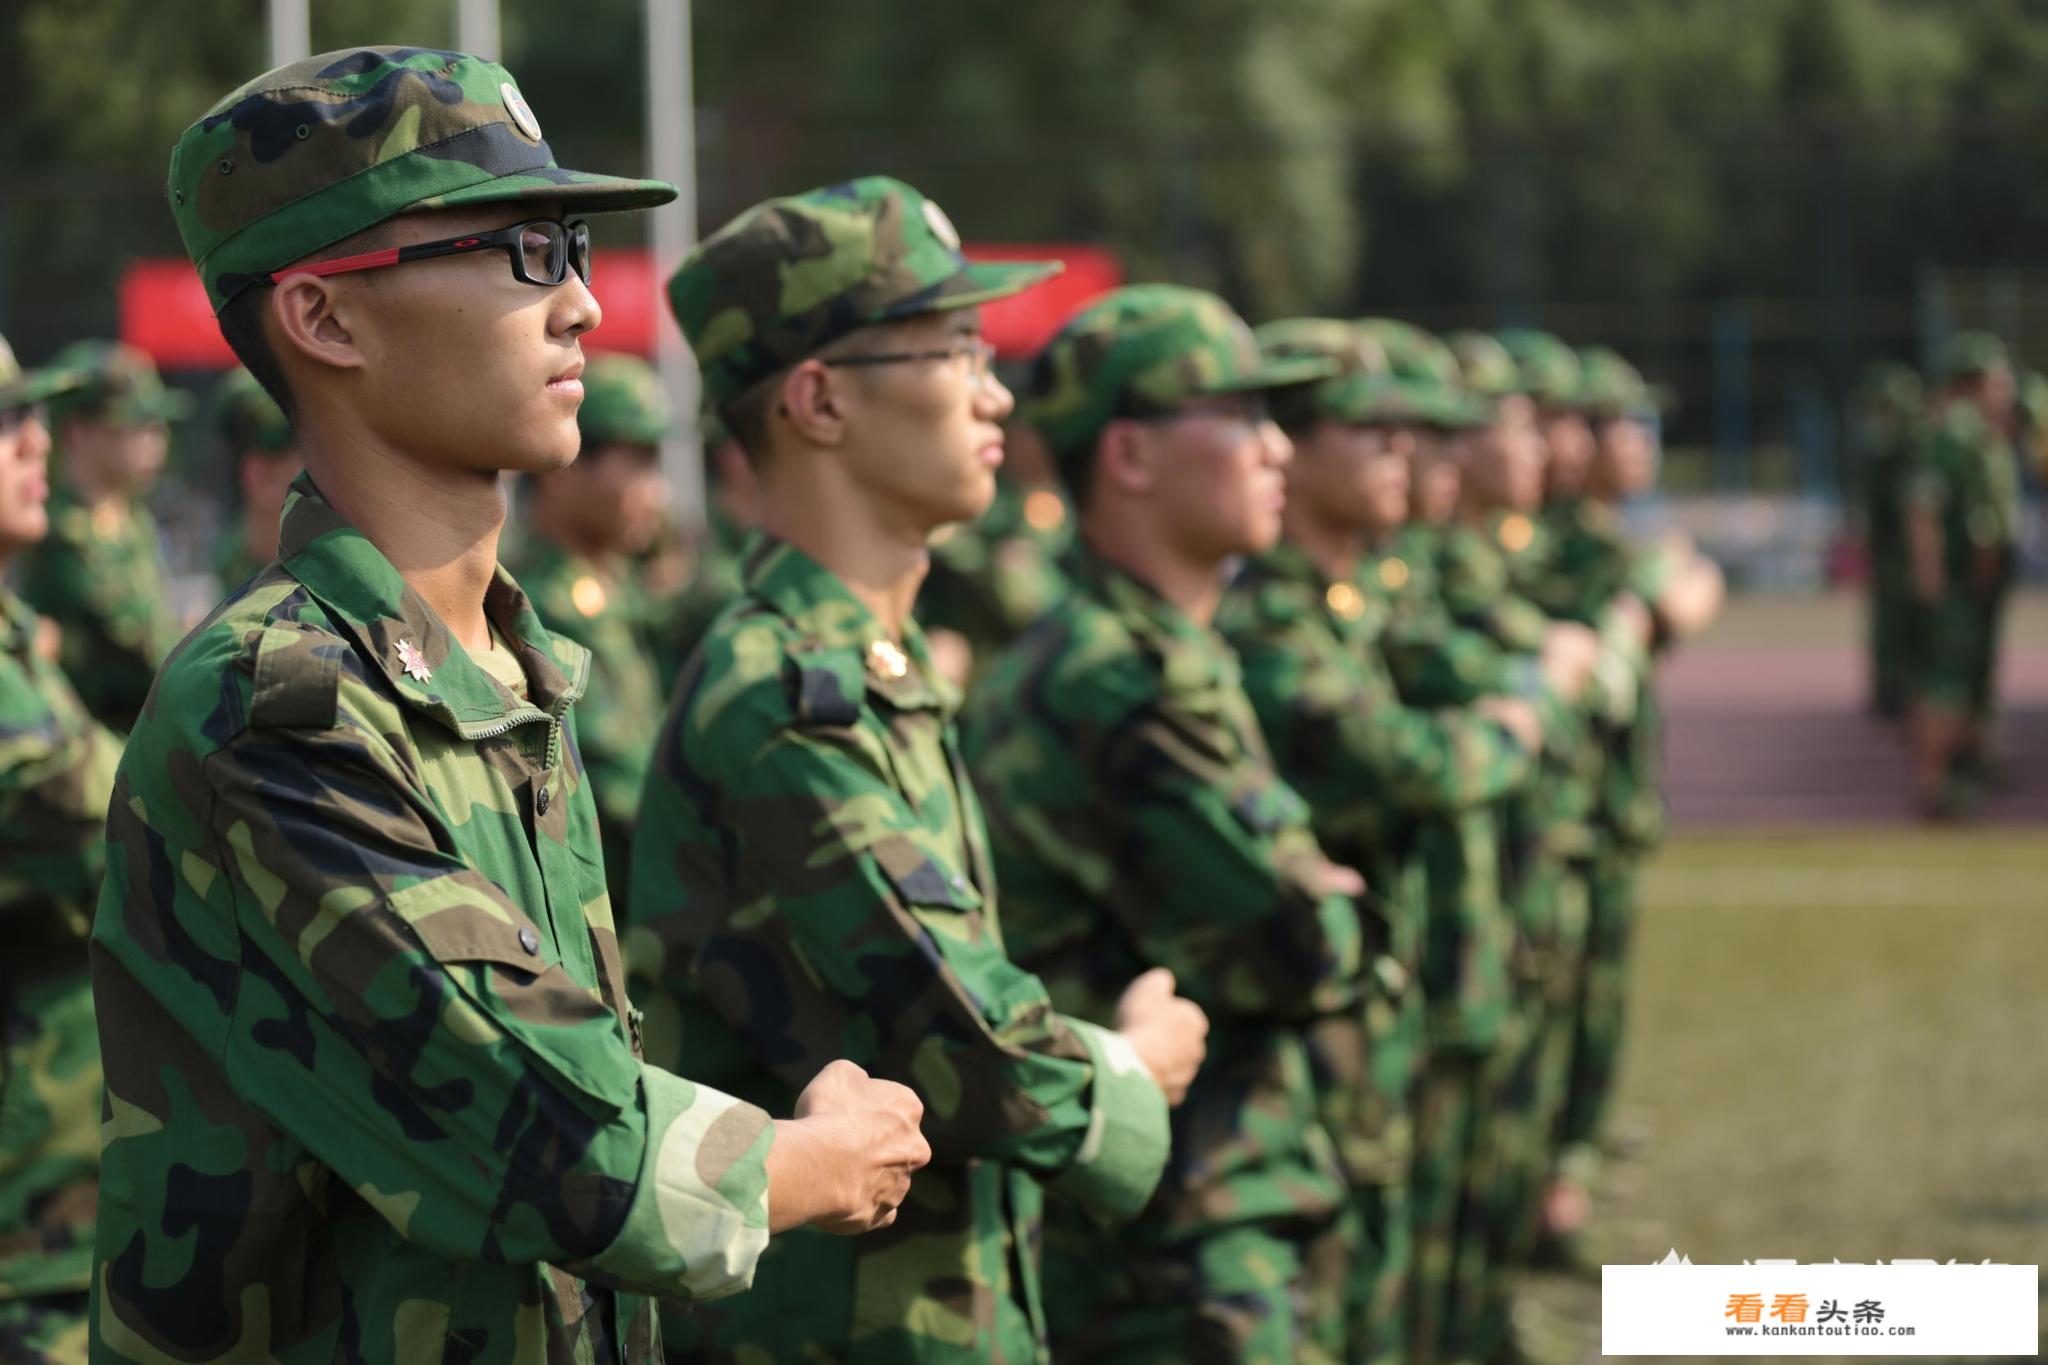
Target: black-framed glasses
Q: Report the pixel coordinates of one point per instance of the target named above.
(15, 418)
(979, 351)
(542, 251)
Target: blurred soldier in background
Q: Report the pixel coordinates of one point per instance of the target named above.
(1308, 637)
(678, 615)
(1139, 823)
(56, 774)
(100, 573)
(994, 576)
(811, 873)
(1885, 419)
(263, 459)
(584, 524)
(1962, 530)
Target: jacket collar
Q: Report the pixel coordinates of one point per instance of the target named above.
(404, 639)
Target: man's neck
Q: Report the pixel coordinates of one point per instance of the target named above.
(549, 525)
(1332, 548)
(1194, 586)
(93, 493)
(439, 528)
(881, 562)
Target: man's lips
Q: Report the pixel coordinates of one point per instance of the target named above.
(569, 381)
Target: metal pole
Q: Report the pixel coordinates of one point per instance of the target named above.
(476, 28)
(291, 31)
(672, 156)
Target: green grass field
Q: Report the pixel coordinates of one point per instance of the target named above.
(1840, 1050)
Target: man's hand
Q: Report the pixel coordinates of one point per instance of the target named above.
(1630, 613)
(1169, 1032)
(843, 1163)
(1569, 652)
(1514, 715)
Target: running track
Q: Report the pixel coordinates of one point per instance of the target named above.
(1766, 726)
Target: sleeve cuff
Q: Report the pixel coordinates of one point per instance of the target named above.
(699, 1218)
(1124, 1152)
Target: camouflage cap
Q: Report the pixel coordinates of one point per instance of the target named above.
(1970, 353)
(320, 149)
(1549, 369)
(1357, 392)
(790, 276)
(117, 384)
(1412, 353)
(1611, 387)
(622, 401)
(1484, 365)
(1141, 351)
(19, 387)
(247, 418)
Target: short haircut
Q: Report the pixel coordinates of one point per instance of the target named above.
(241, 320)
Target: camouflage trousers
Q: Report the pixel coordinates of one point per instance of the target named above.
(46, 1330)
(1601, 1010)
(1255, 1295)
(1383, 1252)
(1447, 1204)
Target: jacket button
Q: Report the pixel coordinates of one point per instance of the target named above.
(529, 940)
(543, 801)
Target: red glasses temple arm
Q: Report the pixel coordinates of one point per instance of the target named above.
(370, 260)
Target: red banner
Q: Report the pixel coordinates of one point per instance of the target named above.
(164, 309)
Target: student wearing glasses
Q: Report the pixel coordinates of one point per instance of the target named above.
(376, 1090)
(811, 874)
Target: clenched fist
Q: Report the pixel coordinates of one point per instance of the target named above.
(843, 1163)
(1169, 1032)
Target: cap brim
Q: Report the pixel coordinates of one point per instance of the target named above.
(1275, 373)
(980, 282)
(580, 190)
(165, 405)
(34, 386)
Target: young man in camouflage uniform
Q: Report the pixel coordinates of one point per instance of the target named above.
(1308, 638)
(584, 523)
(1139, 822)
(263, 459)
(1963, 510)
(100, 573)
(1885, 415)
(374, 1089)
(811, 874)
(56, 772)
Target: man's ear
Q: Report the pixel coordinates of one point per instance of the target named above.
(813, 402)
(310, 318)
(1124, 458)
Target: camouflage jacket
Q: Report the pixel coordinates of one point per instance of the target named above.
(1968, 476)
(100, 576)
(1594, 562)
(812, 880)
(373, 1088)
(1138, 821)
(1366, 761)
(991, 578)
(1372, 769)
(56, 772)
(617, 719)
